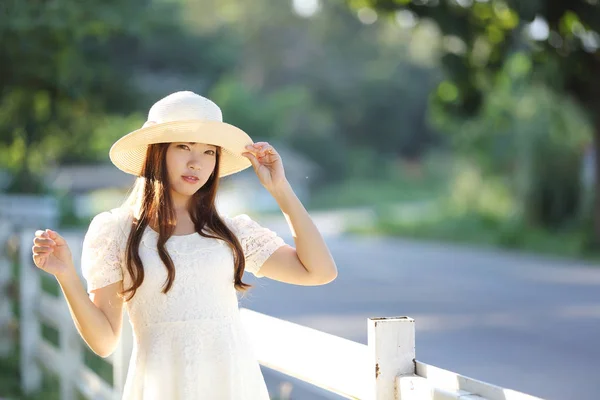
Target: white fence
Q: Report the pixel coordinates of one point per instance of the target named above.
(16, 212)
(7, 320)
(385, 368)
(29, 210)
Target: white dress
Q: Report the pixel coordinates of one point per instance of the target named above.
(188, 343)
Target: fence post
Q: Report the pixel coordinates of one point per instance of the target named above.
(391, 344)
(30, 330)
(6, 313)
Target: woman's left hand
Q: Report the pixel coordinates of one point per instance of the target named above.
(267, 164)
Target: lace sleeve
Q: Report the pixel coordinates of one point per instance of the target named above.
(258, 242)
(102, 253)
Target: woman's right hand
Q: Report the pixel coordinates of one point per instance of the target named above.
(51, 252)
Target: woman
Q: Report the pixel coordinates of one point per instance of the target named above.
(176, 264)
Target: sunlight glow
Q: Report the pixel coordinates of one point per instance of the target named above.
(464, 3)
(538, 29)
(306, 8)
(367, 15)
(454, 44)
(590, 41)
(406, 19)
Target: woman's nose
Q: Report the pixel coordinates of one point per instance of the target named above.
(195, 165)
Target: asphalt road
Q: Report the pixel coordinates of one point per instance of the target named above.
(523, 322)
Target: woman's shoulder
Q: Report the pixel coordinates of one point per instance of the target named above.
(237, 222)
(246, 226)
(114, 220)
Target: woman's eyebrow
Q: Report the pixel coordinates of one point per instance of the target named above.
(208, 145)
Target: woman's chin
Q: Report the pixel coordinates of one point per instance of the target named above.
(185, 192)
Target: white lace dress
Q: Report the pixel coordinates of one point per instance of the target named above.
(188, 343)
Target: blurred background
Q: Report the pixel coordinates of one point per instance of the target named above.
(404, 125)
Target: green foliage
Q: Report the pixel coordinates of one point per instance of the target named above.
(59, 69)
(105, 131)
(91, 71)
(289, 116)
(388, 184)
(492, 31)
(532, 136)
(71, 70)
(496, 47)
(377, 96)
(476, 209)
(475, 229)
(270, 116)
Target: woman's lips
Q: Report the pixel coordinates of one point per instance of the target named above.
(190, 179)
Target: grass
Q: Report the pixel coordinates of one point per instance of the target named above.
(404, 184)
(379, 193)
(475, 228)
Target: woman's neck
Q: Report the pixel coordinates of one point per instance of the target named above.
(180, 203)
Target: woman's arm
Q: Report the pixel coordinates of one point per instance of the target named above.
(310, 263)
(98, 317)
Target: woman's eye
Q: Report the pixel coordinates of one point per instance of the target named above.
(183, 146)
(210, 152)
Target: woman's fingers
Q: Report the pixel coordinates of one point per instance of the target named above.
(40, 256)
(51, 235)
(39, 261)
(59, 240)
(42, 250)
(262, 148)
(263, 152)
(267, 151)
(252, 159)
(43, 242)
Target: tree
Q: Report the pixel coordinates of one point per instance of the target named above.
(56, 60)
(73, 72)
(563, 52)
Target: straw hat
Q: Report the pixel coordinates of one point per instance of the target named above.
(183, 117)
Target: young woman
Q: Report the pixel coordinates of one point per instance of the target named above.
(176, 264)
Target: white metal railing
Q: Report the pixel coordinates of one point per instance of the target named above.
(29, 210)
(385, 368)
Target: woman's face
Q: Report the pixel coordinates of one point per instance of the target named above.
(189, 166)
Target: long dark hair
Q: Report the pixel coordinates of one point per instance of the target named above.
(156, 209)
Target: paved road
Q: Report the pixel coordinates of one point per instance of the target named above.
(519, 321)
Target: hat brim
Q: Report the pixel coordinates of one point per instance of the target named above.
(129, 152)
